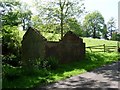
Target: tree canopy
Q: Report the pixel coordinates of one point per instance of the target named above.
(111, 26)
(58, 11)
(94, 24)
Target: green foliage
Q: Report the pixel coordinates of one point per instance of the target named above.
(115, 37)
(118, 37)
(11, 59)
(73, 25)
(11, 40)
(93, 24)
(44, 76)
(51, 36)
(111, 27)
(105, 32)
(53, 63)
(99, 59)
(37, 22)
(15, 13)
(11, 36)
(25, 16)
(10, 72)
(10, 13)
(11, 18)
(48, 63)
(11, 43)
(57, 12)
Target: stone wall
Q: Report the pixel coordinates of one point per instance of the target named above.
(33, 46)
(68, 49)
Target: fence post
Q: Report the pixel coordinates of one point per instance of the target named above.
(104, 47)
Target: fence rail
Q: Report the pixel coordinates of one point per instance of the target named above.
(103, 48)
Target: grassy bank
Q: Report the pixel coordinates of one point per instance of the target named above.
(42, 77)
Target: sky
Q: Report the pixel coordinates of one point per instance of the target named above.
(108, 8)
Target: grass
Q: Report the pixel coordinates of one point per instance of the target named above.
(42, 77)
(95, 42)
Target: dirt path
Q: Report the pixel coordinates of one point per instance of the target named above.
(104, 77)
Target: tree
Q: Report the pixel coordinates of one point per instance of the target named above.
(10, 21)
(105, 32)
(74, 25)
(9, 13)
(15, 13)
(11, 40)
(118, 37)
(111, 26)
(25, 15)
(58, 11)
(36, 22)
(93, 24)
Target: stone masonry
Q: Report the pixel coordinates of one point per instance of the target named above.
(68, 49)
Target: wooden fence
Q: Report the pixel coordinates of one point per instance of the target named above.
(102, 48)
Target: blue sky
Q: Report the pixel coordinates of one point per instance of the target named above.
(108, 8)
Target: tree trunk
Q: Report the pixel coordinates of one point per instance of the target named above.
(94, 33)
(24, 25)
(61, 23)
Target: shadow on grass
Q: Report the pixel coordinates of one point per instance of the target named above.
(43, 77)
(91, 62)
(110, 71)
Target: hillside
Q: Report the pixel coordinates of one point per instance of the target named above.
(94, 42)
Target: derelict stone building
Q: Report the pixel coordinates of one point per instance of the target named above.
(68, 49)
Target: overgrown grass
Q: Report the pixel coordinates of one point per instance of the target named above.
(43, 76)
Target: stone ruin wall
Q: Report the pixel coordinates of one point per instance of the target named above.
(68, 49)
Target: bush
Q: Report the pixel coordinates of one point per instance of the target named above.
(11, 43)
(11, 59)
(48, 63)
(10, 72)
(11, 40)
(40, 64)
(53, 62)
